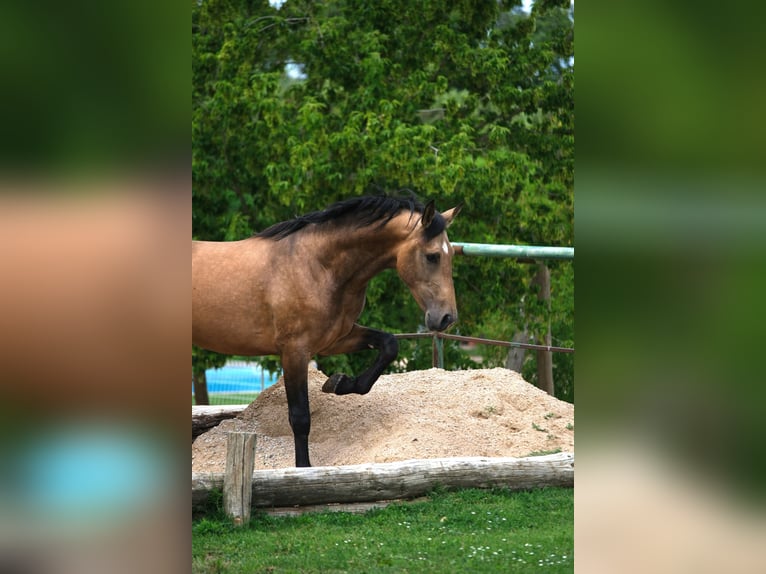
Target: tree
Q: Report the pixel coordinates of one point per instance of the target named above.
(202, 359)
(463, 101)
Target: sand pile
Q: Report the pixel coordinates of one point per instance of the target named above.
(419, 414)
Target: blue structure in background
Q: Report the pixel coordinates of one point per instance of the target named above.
(239, 377)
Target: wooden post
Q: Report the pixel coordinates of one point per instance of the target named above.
(514, 360)
(238, 480)
(545, 358)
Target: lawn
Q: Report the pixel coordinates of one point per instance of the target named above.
(466, 531)
(231, 398)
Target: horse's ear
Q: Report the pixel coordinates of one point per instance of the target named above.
(450, 214)
(428, 214)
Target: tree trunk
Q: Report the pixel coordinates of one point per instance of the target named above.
(199, 382)
(515, 358)
(544, 358)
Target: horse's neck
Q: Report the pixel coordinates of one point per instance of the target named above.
(359, 254)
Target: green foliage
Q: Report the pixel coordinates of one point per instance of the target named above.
(465, 531)
(467, 102)
(92, 93)
(202, 359)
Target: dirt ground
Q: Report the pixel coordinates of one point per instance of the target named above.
(419, 414)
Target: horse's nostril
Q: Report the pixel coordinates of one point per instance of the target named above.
(447, 320)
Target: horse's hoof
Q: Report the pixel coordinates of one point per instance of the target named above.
(332, 383)
(338, 384)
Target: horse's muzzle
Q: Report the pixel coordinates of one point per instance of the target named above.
(435, 323)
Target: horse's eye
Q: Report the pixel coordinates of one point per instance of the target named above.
(433, 257)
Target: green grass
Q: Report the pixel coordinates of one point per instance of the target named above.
(544, 452)
(467, 531)
(231, 398)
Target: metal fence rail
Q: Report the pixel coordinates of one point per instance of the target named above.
(532, 252)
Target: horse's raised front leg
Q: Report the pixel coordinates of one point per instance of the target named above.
(295, 366)
(359, 339)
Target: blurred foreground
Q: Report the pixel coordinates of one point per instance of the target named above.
(94, 370)
(95, 216)
(671, 253)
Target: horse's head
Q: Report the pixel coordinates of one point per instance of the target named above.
(424, 262)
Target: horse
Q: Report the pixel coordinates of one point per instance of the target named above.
(297, 289)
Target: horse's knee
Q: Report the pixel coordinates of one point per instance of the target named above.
(300, 421)
(389, 347)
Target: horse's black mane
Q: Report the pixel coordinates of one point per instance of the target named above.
(358, 212)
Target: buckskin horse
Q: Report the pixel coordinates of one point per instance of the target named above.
(297, 289)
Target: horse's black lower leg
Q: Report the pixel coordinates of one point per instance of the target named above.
(296, 386)
(388, 348)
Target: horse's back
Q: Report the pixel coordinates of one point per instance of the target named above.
(209, 256)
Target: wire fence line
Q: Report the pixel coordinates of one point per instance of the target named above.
(438, 346)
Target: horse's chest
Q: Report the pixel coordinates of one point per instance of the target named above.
(355, 306)
(341, 318)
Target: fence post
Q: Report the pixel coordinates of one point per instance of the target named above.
(238, 480)
(514, 360)
(437, 359)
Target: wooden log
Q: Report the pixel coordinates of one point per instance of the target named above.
(205, 417)
(238, 479)
(393, 480)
